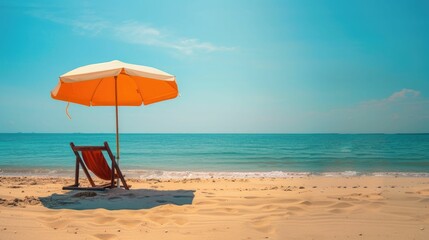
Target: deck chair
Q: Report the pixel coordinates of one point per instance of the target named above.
(92, 158)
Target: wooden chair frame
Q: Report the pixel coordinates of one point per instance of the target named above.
(80, 162)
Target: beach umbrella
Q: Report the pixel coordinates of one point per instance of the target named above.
(116, 84)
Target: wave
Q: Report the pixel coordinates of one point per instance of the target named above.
(161, 174)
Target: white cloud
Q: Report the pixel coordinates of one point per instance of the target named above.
(404, 93)
(190, 45)
(140, 33)
(133, 32)
(403, 111)
(86, 25)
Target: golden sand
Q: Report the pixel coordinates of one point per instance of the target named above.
(221, 209)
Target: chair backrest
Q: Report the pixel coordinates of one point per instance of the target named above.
(95, 160)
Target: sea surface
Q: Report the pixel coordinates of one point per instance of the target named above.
(206, 155)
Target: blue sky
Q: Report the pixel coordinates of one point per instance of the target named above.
(241, 66)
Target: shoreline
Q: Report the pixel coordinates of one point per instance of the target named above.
(363, 207)
(166, 174)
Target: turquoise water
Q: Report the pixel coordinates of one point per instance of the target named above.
(309, 153)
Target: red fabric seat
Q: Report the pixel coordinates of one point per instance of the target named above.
(95, 161)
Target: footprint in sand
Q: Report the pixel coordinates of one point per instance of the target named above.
(336, 210)
(180, 220)
(158, 220)
(263, 226)
(105, 236)
(306, 203)
(251, 197)
(269, 207)
(341, 205)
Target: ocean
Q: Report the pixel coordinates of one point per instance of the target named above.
(238, 155)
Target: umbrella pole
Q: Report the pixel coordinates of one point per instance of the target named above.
(117, 127)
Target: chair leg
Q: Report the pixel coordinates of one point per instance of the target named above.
(76, 174)
(121, 176)
(112, 181)
(115, 166)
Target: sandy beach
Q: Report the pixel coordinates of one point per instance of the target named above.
(311, 207)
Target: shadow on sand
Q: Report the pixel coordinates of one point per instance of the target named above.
(117, 199)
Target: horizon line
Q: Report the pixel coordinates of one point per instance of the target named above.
(255, 133)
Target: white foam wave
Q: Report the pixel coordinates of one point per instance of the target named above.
(201, 174)
(340, 174)
(160, 174)
(400, 174)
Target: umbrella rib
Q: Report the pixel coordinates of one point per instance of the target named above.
(95, 90)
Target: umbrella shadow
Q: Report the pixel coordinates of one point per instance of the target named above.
(117, 199)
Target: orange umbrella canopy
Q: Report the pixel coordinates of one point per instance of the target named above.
(100, 84)
(116, 84)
